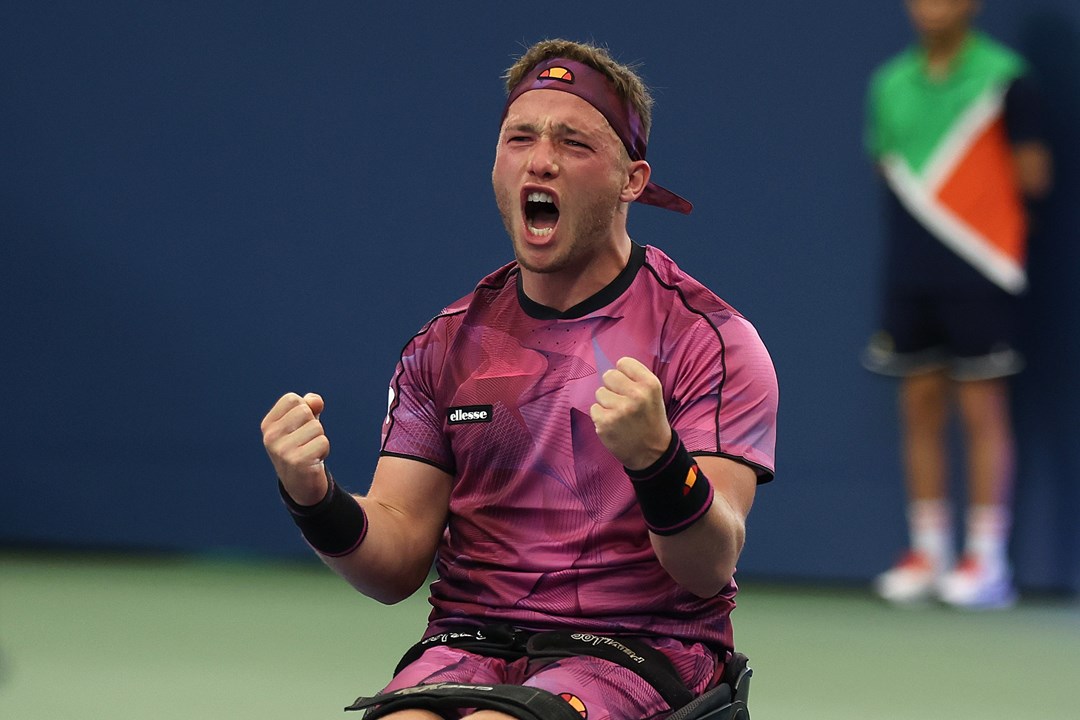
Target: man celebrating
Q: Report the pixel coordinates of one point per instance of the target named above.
(576, 444)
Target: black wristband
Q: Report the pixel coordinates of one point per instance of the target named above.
(672, 492)
(334, 526)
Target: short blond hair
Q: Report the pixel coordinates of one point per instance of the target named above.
(626, 81)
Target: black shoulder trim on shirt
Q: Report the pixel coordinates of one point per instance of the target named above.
(763, 473)
(394, 380)
(604, 297)
(417, 458)
(719, 336)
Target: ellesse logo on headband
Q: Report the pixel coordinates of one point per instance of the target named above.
(469, 414)
(557, 73)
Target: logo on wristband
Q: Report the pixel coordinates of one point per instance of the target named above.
(470, 414)
(691, 478)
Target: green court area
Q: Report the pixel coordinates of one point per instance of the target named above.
(117, 638)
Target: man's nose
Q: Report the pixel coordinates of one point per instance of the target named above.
(542, 161)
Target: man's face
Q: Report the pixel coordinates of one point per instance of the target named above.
(941, 18)
(559, 177)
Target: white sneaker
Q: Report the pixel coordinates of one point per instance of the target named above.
(912, 580)
(974, 585)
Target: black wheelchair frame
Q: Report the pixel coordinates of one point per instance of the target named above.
(726, 701)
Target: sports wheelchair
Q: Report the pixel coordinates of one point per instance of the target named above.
(726, 701)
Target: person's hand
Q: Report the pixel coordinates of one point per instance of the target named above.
(629, 414)
(297, 445)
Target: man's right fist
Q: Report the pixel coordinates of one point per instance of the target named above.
(297, 445)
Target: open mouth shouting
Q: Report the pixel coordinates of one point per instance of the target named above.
(541, 214)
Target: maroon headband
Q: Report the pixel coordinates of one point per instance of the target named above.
(595, 88)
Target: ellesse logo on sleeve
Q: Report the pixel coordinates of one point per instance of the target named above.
(469, 414)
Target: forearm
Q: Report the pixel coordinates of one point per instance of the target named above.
(390, 564)
(1034, 169)
(696, 511)
(702, 558)
(383, 545)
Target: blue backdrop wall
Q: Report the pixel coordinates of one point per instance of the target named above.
(206, 204)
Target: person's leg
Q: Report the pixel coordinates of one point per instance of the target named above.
(443, 664)
(602, 690)
(984, 409)
(981, 329)
(911, 346)
(925, 404)
(984, 576)
(924, 411)
(924, 414)
(442, 668)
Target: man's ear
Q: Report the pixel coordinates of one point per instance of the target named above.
(638, 174)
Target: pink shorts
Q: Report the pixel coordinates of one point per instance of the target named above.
(597, 688)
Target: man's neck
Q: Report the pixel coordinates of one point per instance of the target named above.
(563, 289)
(941, 51)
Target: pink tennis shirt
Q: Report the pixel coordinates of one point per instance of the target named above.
(544, 530)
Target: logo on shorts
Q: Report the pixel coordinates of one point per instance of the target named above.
(576, 703)
(469, 414)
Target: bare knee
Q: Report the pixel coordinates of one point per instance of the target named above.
(924, 401)
(984, 406)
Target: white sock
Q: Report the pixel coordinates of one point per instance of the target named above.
(987, 536)
(930, 525)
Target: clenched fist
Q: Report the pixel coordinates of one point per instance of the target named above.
(629, 414)
(297, 445)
